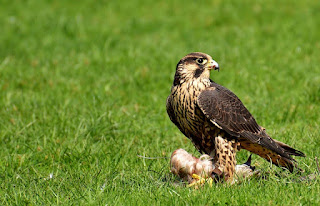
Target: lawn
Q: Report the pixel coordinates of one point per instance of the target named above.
(84, 84)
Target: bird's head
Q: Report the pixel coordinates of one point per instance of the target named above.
(194, 66)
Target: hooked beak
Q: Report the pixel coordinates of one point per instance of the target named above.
(213, 65)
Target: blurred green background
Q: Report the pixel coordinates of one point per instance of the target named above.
(84, 85)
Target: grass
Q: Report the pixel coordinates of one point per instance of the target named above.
(84, 84)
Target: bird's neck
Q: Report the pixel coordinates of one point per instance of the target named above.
(197, 84)
(189, 78)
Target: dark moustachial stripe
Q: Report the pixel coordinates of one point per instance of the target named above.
(198, 72)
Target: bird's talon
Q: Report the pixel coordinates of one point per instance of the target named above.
(199, 181)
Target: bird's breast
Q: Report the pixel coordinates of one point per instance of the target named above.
(184, 102)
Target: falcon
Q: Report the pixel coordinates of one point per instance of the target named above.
(216, 121)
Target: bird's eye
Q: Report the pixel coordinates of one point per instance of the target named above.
(201, 61)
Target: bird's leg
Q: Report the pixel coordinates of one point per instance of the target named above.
(225, 157)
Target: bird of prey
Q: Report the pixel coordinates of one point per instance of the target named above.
(216, 121)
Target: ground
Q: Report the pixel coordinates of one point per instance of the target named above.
(84, 85)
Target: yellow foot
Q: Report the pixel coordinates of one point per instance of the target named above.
(200, 181)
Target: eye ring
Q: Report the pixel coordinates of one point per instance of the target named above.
(201, 61)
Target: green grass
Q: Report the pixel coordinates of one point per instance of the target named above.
(84, 84)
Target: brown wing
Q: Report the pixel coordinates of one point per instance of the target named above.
(226, 110)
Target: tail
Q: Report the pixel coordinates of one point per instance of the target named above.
(279, 153)
(289, 150)
(290, 163)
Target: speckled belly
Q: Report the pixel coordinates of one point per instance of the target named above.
(192, 122)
